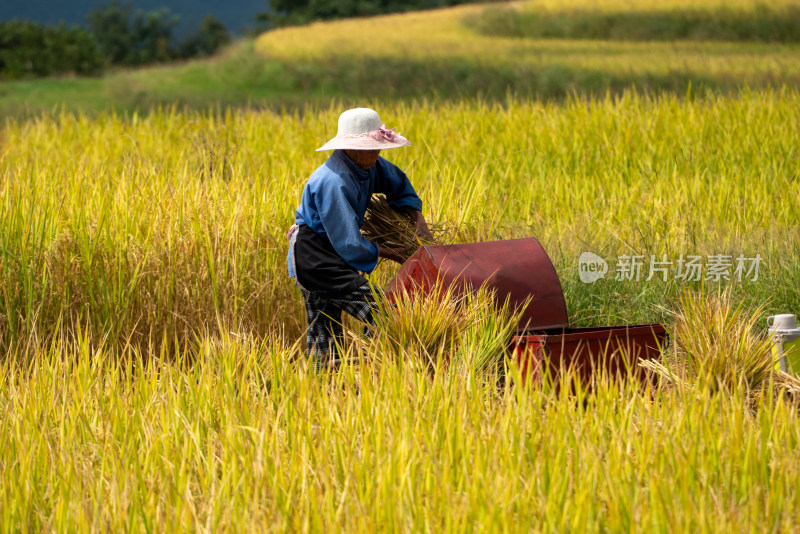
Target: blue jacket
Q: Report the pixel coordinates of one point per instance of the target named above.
(335, 199)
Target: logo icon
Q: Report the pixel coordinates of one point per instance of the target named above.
(591, 267)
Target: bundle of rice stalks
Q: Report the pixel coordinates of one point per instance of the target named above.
(391, 228)
(422, 330)
(484, 341)
(717, 347)
(460, 331)
(788, 384)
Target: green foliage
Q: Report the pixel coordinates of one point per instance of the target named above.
(28, 49)
(132, 37)
(119, 36)
(764, 24)
(110, 25)
(210, 37)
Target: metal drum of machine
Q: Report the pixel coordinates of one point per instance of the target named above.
(521, 271)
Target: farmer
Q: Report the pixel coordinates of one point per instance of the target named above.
(327, 253)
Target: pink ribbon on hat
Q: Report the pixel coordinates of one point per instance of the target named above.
(386, 133)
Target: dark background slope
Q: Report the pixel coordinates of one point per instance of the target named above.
(236, 15)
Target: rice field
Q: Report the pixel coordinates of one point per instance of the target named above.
(152, 376)
(395, 48)
(154, 227)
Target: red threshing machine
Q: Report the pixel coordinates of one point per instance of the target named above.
(520, 269)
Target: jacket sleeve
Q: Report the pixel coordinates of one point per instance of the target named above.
(394, 183)
(341, 225)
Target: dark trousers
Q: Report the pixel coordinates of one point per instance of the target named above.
(324, 314)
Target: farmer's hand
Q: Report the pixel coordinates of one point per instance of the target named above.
(394, 254)
(420, 226)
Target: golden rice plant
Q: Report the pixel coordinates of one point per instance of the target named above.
(441, 37)
(137, 230)
(717, 345)
(122, 231)
(484, 343)
(417, 328)
(445, 327)
(242, 439)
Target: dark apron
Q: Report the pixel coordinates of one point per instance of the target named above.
(319, 268)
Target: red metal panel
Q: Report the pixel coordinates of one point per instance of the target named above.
(526, 350)
(519, 269)
(616, 350)
(515, 268)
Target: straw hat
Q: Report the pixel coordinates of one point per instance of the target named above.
(362, 129)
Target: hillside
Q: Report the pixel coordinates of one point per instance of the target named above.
(446, 54)
(412, 52)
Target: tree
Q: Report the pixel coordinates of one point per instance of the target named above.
(132, 37)
(153, 36)
(209, 38)
(110, 25)
(30, 49)
(79, 51)
(120, 35)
